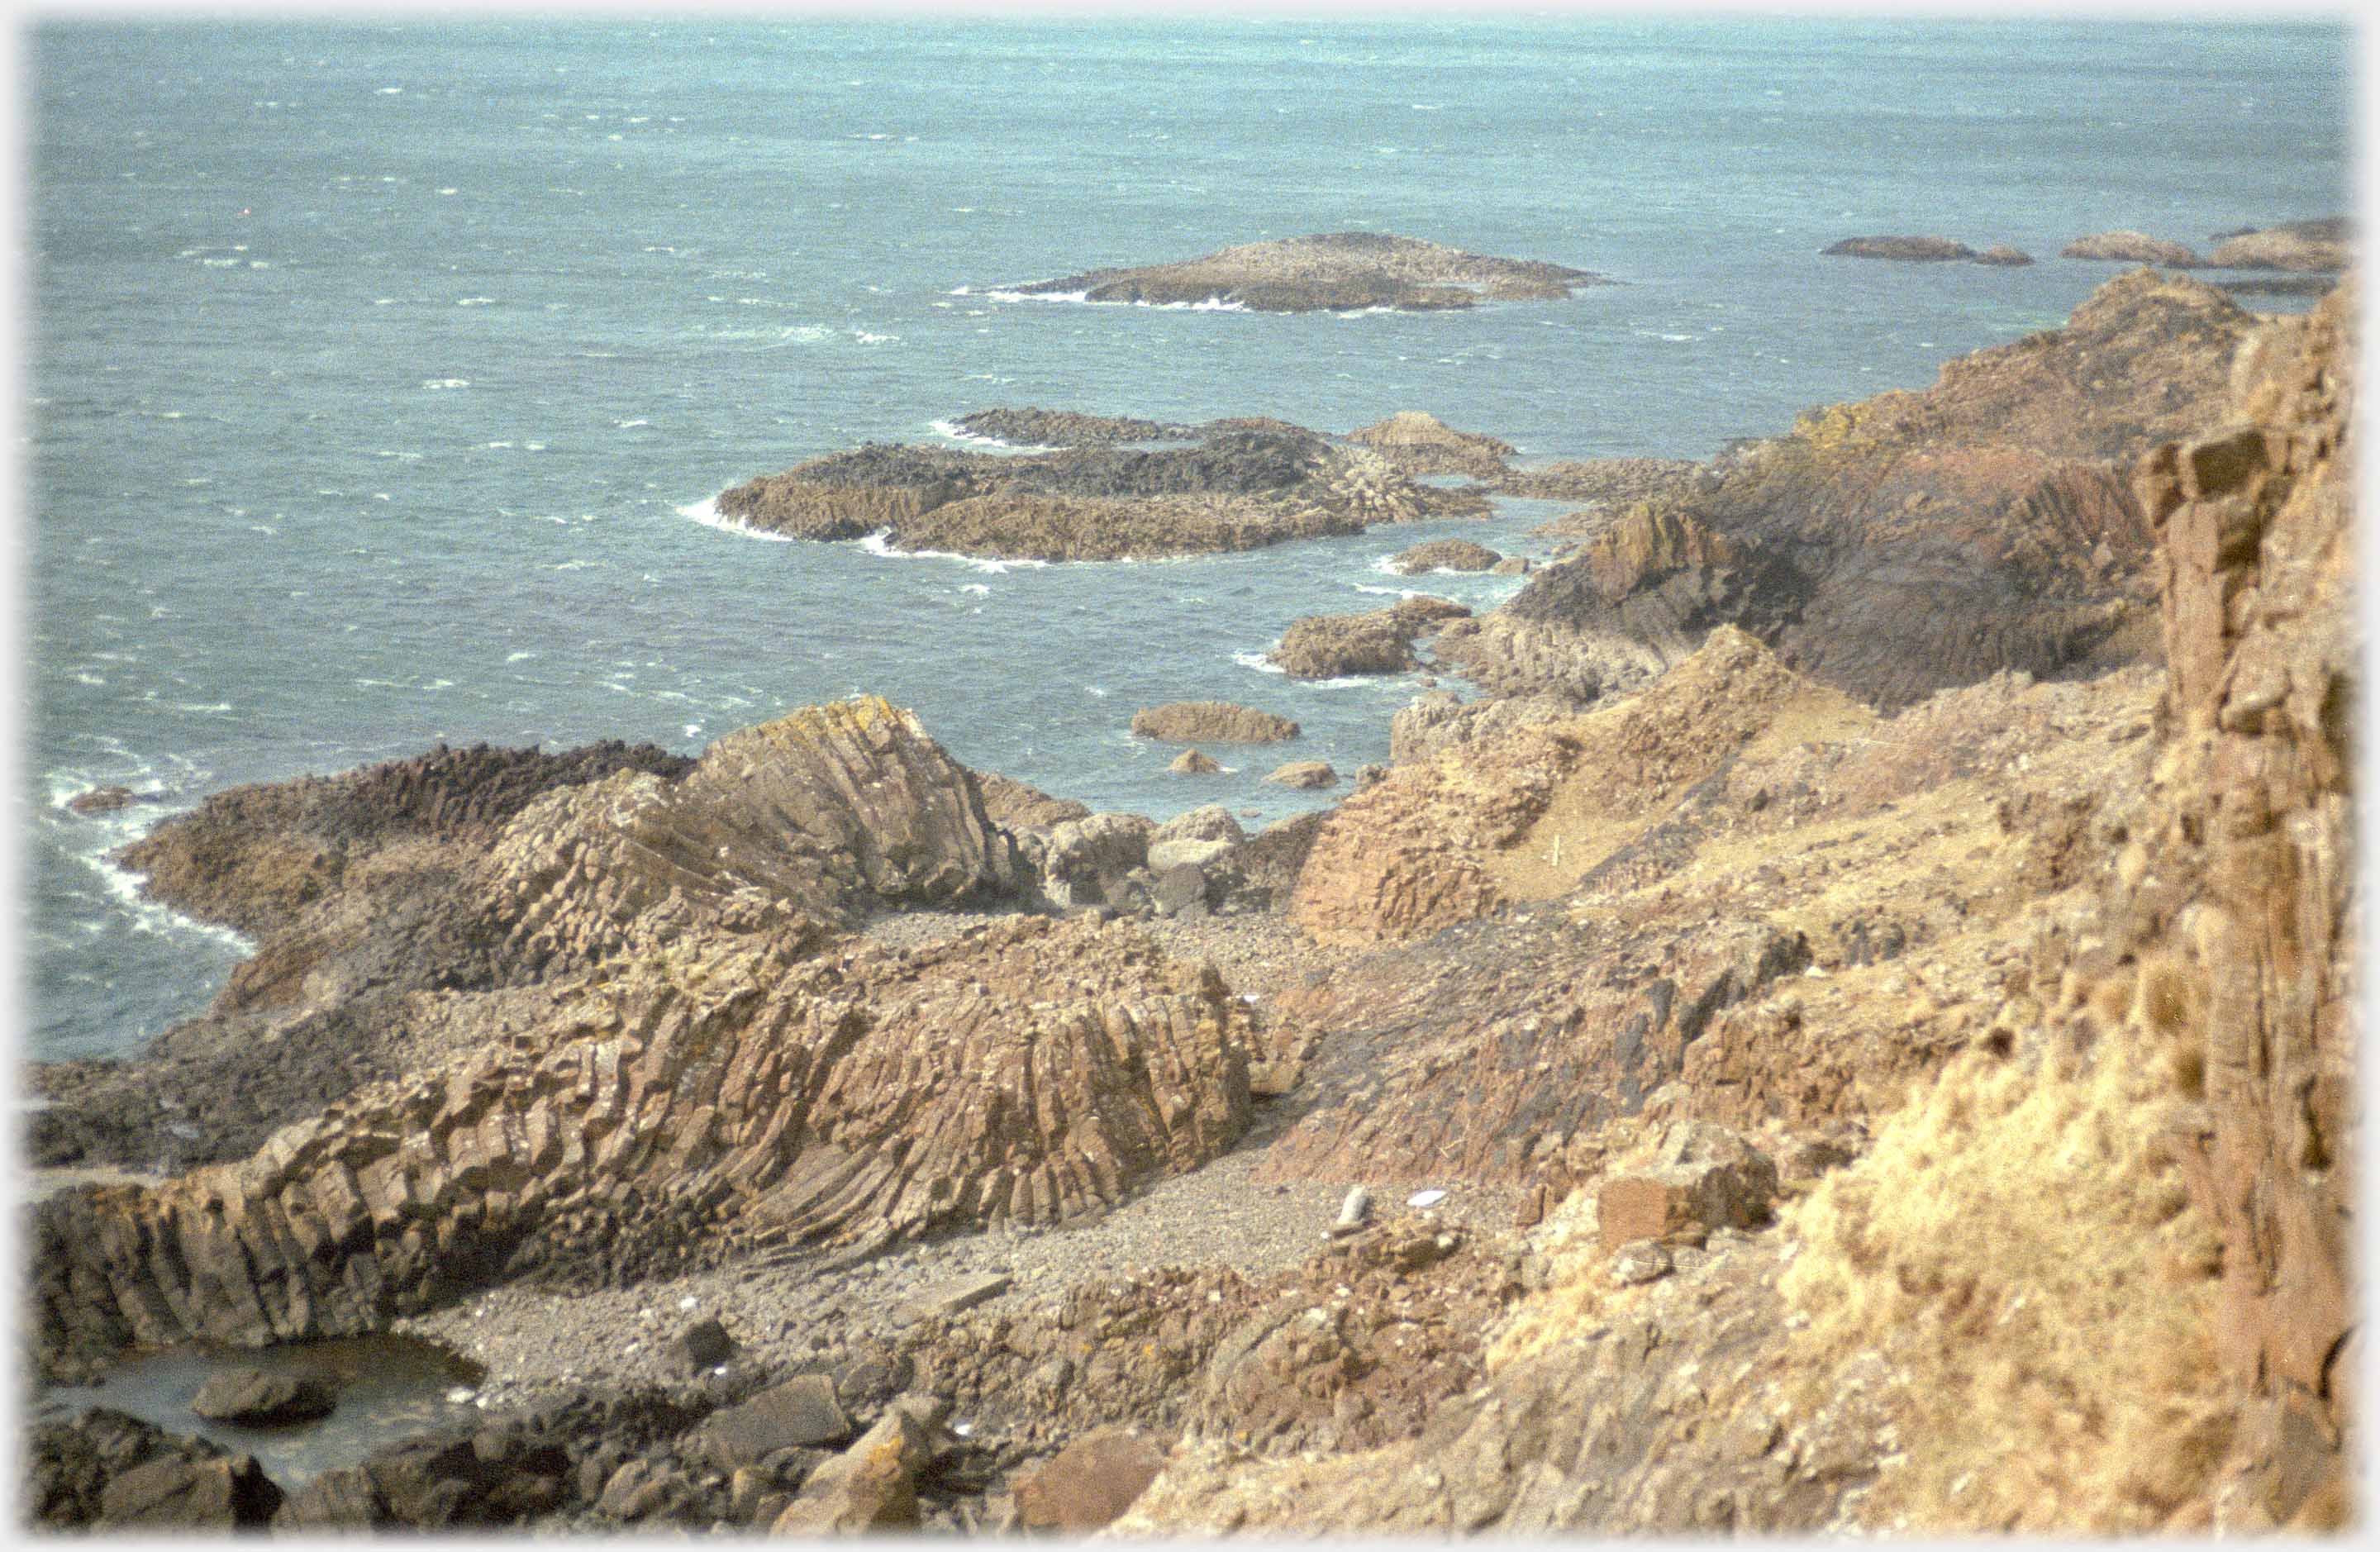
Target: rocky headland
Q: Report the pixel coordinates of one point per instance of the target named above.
(1851, 1029)
(1330, 272)
(1905, 543)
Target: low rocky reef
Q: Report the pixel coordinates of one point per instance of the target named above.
(1331, 271)
(1239, 485)
(2323, 246)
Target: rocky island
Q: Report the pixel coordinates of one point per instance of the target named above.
(1330, 272)
(1226, 486)
(1886, 910)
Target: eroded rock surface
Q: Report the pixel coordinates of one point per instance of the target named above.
(1417, 443)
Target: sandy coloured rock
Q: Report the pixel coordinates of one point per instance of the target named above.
(1210, 722)
(1376, 641)
(2132, 248)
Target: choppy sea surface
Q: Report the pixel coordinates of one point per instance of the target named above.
(379, 374)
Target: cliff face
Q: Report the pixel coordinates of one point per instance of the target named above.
(2076, 1002)
(2256, 975)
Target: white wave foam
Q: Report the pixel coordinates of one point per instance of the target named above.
(1258, 662)
(881, 544)
(957, 432)
(447, 382)
(1387, 592)
(978, 588)
(1094, 691)
(626, 425)
(473, 301)
(706, 512)
(864, 337)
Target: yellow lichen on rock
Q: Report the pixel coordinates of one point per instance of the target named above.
(2021, 1248)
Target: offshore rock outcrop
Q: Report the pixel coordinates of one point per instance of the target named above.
(1911, 541)
(1210, 722)
(1376, 641)
(1420, 444)
(1333, 271)
(722, 1093)
(1917, 249)
(1243, 485)
(2133, 248)
(2320, 244)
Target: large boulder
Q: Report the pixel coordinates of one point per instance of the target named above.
(1088, 1483)
(1089, 860)
(260, 1399)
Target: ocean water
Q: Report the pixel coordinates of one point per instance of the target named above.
(379, 374)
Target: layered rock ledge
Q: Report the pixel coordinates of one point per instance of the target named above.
(1333, 271)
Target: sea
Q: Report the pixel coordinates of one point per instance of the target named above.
(380, 375)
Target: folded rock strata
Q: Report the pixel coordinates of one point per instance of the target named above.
(724, 1092)
(827, 811)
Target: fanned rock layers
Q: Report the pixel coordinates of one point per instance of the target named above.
(720, 1094)
(823, 811)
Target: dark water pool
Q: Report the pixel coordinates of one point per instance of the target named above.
(389, 1387)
